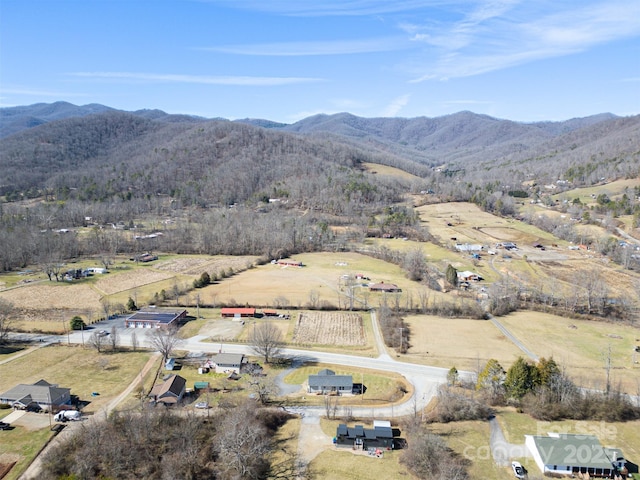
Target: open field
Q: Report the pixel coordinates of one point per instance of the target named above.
(196, 265)
(112, 283)
(319, 280)
(462, 343)
(612, 189)
(582, 347)
(389, 171)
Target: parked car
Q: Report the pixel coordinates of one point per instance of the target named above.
(5, 426)
(518, 471)
(204, 405)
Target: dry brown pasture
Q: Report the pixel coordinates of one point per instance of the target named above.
(330, 328)
(112, 283)
(280, 287)
(457, 342)
(196, 265)
(582, 347)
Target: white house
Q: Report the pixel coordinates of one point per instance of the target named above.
(568, 454)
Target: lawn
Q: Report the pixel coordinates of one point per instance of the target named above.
(21, 445)
(623, 435)
(380, 387)
(81, 369)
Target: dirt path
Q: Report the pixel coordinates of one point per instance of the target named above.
(311, 440)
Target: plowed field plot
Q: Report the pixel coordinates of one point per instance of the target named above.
(329, 328)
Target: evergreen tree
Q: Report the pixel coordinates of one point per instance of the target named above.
(491, 378)
(77, 323)
(452, 275)
(520, 379)
(452, 376)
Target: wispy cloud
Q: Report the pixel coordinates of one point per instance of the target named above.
(310, 8)
(33, 92)
(502, 34)
(195, 79)
(338, 47)
(396, 105)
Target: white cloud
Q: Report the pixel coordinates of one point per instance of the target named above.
(498, 35)
(196, 79)
(313, 8)
(40, 93)
(396, 105)
(338, 47)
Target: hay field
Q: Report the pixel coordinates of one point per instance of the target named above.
(463, 343)
(329, 328)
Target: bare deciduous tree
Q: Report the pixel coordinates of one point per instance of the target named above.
(164, 340)
(266, 341)
(114, 338)
(97, 341)
(6, 309)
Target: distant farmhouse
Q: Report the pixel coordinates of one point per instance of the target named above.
(287, 262)
(155, 319)
(42, 395)
(384, 287)
(327, 382)
(468, 276)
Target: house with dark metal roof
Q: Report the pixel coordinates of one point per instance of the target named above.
(360, 438)
(155, 318)
(169, 392)
(567, 454)
(326, 381)
(41, 394)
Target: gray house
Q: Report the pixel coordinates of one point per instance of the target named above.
(41, 394)
(326, 381)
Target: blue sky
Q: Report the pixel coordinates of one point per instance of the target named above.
(285, 60)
